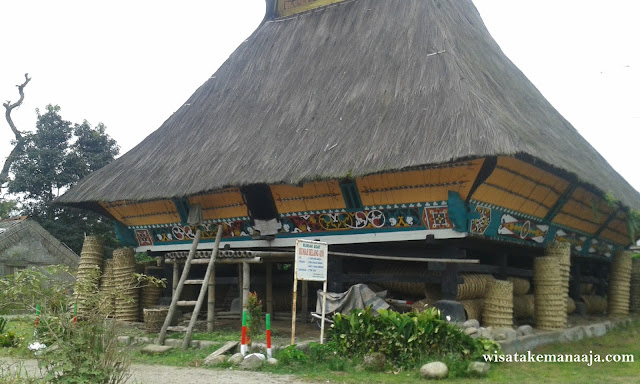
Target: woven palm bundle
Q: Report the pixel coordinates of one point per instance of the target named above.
(126, 286)
(108, 287)
(634, 289)
(474, 287)
(620, 284)
(520, 286)
(421, 305)
(498, 305)
(561, 251)
(550, 303)
(150, 294)
(154, 318)
(594, 304)
(473, 308)
(89, 272)
(523, 307)
(571, 306)
(410, 289)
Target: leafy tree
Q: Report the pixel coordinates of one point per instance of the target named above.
(7, 207)
(55, 157)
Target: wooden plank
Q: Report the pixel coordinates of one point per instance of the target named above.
(194, 282)
(229, 345)
(370, 278)
(416, 259)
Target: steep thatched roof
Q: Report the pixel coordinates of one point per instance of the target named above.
(362, 87)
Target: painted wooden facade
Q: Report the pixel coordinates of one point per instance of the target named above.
(498, 198)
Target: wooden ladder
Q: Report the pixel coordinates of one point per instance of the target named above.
(175, 300)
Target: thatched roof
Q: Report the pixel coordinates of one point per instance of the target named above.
(362, 87)
(14, 230)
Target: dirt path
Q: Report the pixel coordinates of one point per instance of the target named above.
(160, 374)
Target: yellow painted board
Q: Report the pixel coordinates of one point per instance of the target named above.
(616, 237)
(533, 172)
(145, 213)
(544, 195)
(581, 211)
(576, 223)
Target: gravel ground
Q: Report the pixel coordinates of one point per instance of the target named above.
(159, 374)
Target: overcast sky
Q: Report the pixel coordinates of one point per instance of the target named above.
(131, 64)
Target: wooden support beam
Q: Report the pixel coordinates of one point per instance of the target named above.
(379, 277)
(234, 260)
(335, 274)
(449, 285)
(395, 258)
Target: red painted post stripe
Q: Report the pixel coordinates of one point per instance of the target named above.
(268, 338)
(244, 335)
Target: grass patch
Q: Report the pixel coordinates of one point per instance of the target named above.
(622, 340)
(23, 329)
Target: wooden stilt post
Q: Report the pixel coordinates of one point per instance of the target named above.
(211, 302)
(246, 279)
(176, 277)
(304, 305)
(269, 287)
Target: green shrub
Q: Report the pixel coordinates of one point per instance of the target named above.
(3, 324)
(291, 356)
(85, 351)
(255, 322)
(405, 339)
(8, 340)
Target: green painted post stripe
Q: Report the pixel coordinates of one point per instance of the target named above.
(37, 309)
(268, 321)
(75, 309)
(244, 318)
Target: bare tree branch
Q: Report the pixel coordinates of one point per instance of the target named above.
(4, 175)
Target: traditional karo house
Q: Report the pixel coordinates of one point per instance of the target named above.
(393, 127)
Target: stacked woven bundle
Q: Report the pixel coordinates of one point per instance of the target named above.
(154, 318)
(562, 251)
(89, 271)
(520, 286)
(594, 304)
(571, 306)
(498, 305)
(620, 284)
(108, 287)
(473, 308)
(409, 289)
(587, 288)
(127, 292)
(474, 287)
(523, 306)
(635, 285)
(550, 302)
(150, 293)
